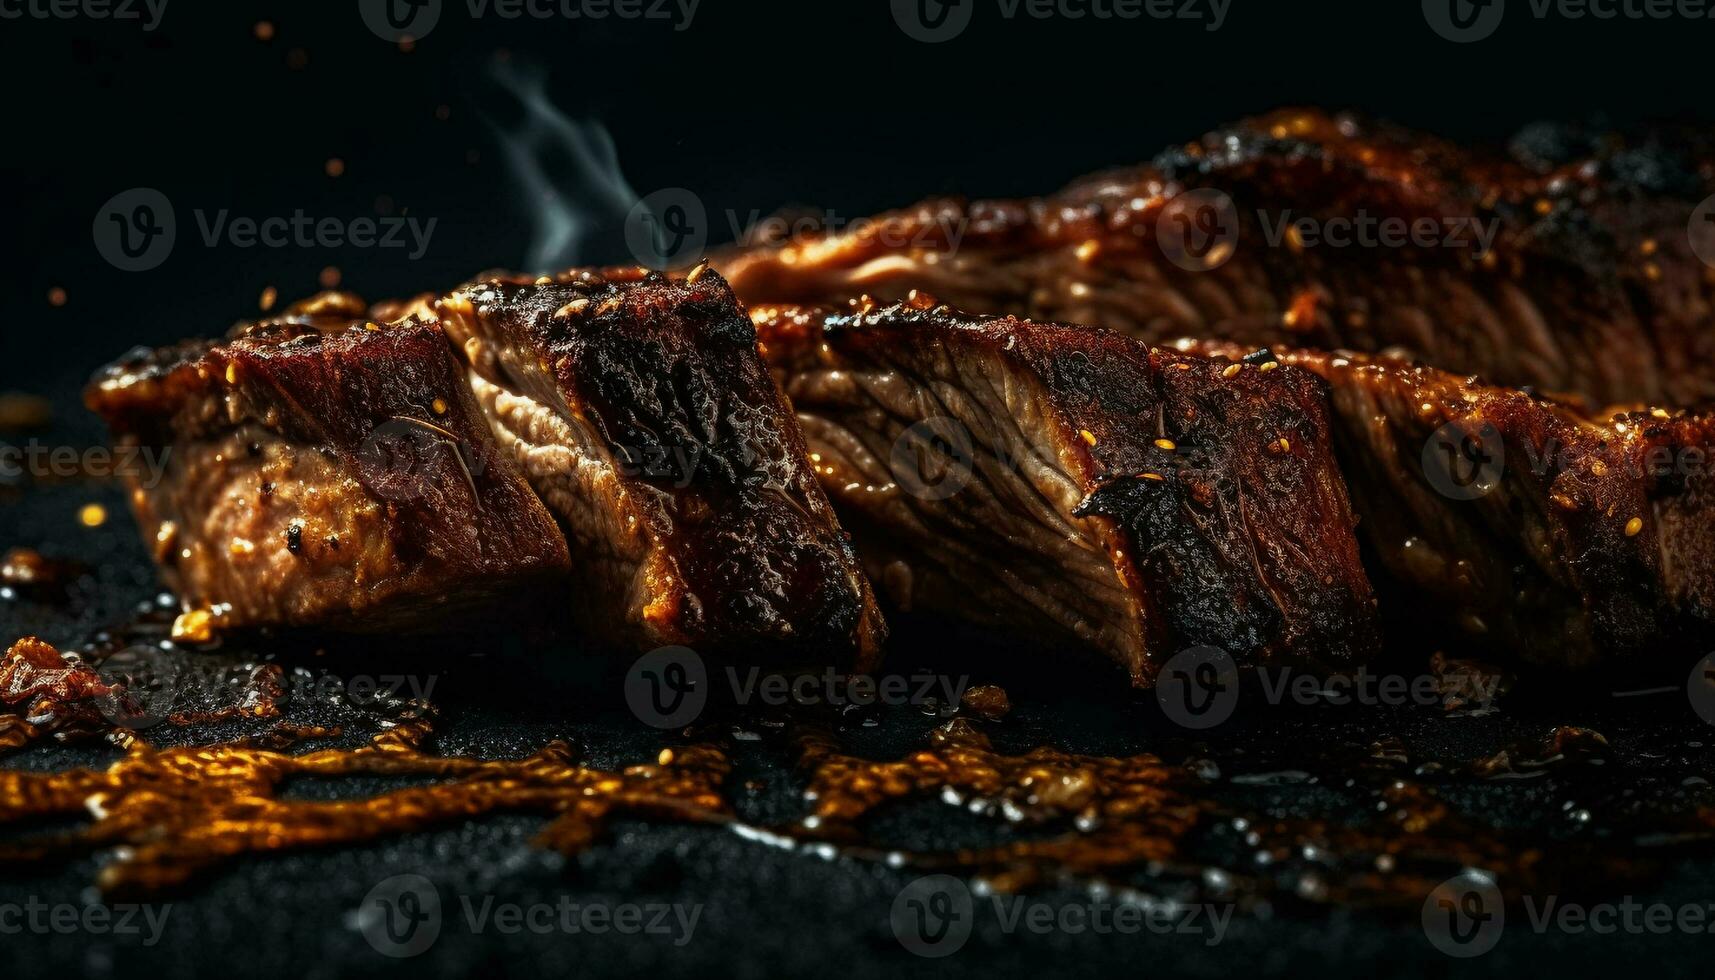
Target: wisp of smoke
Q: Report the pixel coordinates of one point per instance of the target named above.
(568, 172)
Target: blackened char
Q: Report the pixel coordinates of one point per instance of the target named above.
(640, 410)
(327, 470)
(1590, 285)
(1534, 528)
(1072, 482)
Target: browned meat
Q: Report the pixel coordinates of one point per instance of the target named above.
(642, 414)
(1073, 483)
(1589, 284)
(324, 470)
(1534, 527)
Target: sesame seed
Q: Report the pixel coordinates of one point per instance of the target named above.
(1633, 526)
(1089, 437)
(1231, 370)
(1167, 444)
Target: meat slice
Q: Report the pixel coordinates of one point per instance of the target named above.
(1566, 538)
(1589, 284)
(326, 470)
(642, 414)
(1073, 483)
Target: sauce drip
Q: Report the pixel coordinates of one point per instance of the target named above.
(1136, 825)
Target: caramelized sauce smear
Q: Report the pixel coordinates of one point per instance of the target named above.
(1138, 823)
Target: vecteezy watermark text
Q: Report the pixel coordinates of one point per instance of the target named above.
(934, 916)
(148, 13)
(669, 688)
(136, 230)
(400, 20)
(934, 21)
(144, 464)
(36, 917)
(1465, 21)
(1200, 688)
(1466, 916)
(403, 916)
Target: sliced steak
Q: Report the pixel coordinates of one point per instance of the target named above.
(1589, 284)
(1532, 526)
(326, 470)
(1074, 483)
(642, 414)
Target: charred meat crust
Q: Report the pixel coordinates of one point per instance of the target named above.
(648, 419)
(324, 471)
(1589, 285)
(1205, 495)
(1567, 538)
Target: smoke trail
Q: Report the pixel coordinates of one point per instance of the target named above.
(568, 172)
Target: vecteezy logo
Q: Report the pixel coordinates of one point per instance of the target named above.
(145, 683)
(667, 229)
(134, 231)
(1198, 688)
(668, 687)
(933, 459)
(1462, 463)
(1700, 687)
(401, 916)
(399, 20)
(1464, 915)
(1701, 231)
(933, 21)
(1464, 21)
(933, 915)
(1198, 230)
(403, 458)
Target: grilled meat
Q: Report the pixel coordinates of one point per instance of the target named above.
(1075, 483)
(1566, 267)
(640, 411)
(1541, 530)
(326, 470)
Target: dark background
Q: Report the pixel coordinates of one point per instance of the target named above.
(756, 106)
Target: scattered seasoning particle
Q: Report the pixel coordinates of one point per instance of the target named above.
(608, 306)
(1285, 446)
(372, 326)
(92, 515)
(56, 296)
(1652, 272)
(697, 273)
(1089, 250)
(242, 546)
(196, 626)
(232, 372)
(295, 539)
(1167, 444)
(329, 277)
(1544, 205)
(335, 166)
(1270, 366)
(1599, 468)
(1231, 370)
(575, 306)
(1157, 477)
(267, 489)
(439, 405)
(1633, 526)
(269, 295)
(665, 758)
(1089, 437)
(264, 30)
